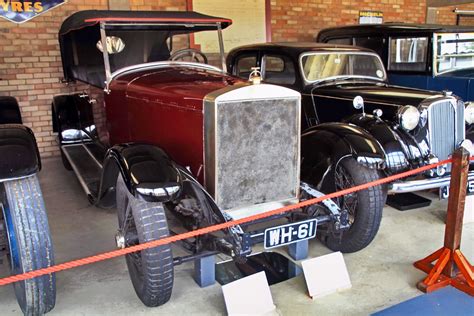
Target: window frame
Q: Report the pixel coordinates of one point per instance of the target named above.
(284, 58)
(254, 54)
(307, 82)
(408, 36)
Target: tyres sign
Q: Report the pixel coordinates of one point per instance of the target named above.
(19, 11)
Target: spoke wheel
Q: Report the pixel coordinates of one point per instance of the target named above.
(343, 180)
(364, 207)
(151, 270)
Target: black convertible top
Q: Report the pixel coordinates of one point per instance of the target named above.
(201, 22)
(146, 37)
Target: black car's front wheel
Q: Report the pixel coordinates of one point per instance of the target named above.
(29, 243)
(151, 270)
(364, 207)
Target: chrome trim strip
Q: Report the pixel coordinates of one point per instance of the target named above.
(160, 64)
(241, 212)
(16, 178)
(76, 170)
(221, 47)
(105, 53)
(384, 79)
(424, 184)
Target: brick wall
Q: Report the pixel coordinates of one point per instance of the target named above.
(30, 64)
(300, 20)
(30, 67)
(445, 15)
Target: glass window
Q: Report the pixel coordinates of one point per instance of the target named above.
(244, 66)
(278, 70)
(454, 51)
(374, 43)
(408, 54)
(341, 41)
(318, 67)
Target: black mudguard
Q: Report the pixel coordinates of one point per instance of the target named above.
(18, 151)
(71, 112)
(398, 155)
(324, 145)
(144, 168)
(9, 111)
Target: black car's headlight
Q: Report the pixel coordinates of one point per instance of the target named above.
(409, 117)
(469, 113)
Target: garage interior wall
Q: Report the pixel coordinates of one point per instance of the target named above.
(30, 62)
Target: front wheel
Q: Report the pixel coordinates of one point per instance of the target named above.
(29, 243)
(151, 270)
(364, 207)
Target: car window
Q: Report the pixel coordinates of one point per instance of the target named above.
(453, 51)
(341, 41)
(278, 70)
(322, 66)
(408, 54)
(244, 66)
(374, 43)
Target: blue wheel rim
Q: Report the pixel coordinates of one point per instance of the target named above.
(12, 240)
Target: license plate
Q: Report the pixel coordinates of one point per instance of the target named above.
(289, 233)
(444, 191)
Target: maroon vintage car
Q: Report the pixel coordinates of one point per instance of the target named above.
(177, 140)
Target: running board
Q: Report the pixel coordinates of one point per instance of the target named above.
(86, 166)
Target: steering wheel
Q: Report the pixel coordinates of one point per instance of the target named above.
(189, 54)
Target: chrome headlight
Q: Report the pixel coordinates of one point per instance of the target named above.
(409, 117)
(469, 113)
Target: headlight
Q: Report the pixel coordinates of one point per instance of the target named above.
(409, 117)
(469, 113)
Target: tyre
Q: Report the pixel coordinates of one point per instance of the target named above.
(364, 207)
(151, 270)
(66, 163)
(29, 242)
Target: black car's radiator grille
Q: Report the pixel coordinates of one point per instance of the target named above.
(446, 127)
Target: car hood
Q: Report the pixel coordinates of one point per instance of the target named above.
(377, 93)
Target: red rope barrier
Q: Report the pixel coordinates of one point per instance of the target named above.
(210, 229)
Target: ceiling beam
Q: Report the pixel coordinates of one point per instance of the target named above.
(445, 3)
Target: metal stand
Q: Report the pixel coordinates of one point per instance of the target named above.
(451, 268)
(205, 271)
(299, 250)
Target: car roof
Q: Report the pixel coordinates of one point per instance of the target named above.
(297, 48)
(392, 27)
(87, 18)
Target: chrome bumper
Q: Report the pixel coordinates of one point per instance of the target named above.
(424, 184)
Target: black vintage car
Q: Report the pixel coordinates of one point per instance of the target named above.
(25, 239)
(341, 83)
(425, 56)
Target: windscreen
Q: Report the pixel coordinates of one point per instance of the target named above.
(321, 66)
(454, 51)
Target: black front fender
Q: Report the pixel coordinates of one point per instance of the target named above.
(18, 151)
(324, 145)
(397, 153)
(9, 111)
(146, 170)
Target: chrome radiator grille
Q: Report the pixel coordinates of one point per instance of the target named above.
(252, 148)
(446, 127)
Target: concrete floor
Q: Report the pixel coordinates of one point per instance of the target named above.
(382, 274)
